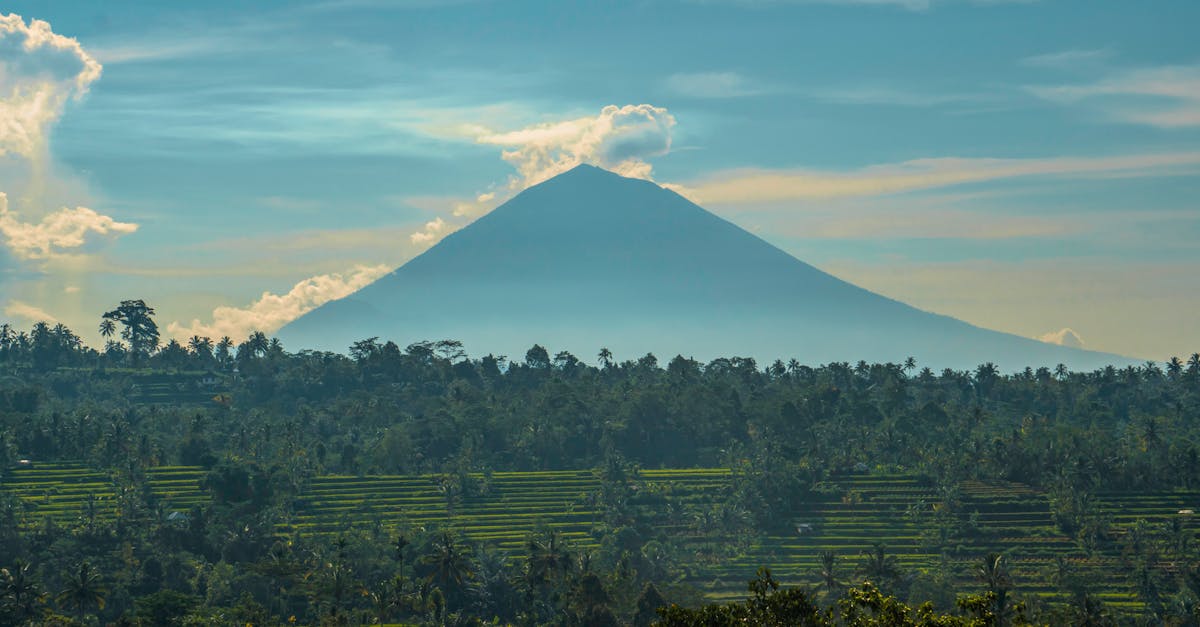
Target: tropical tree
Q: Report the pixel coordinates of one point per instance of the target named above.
(107, 328)
(200, 347)
(879, 568)
(138, 326)
(83, 590)
(20, 594)
(829, 575)
(449, 564)
(1174, 368)
(994, 574)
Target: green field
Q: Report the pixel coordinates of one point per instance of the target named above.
(848, 516)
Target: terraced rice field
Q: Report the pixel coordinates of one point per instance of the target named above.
(847, 516)
(65, 493)
(1007, 518)
(509, 507)
(177, 488)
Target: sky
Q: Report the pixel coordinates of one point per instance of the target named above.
(1027, 166)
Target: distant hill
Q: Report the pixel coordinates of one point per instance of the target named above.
(590, 259)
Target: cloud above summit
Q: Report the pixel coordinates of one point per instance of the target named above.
(620, 139)
(40, 71)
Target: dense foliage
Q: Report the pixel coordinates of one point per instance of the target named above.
(265, 422)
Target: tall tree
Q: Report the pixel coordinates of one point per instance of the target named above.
(139, 328)
(83, 590)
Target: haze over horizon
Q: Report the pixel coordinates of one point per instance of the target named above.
(239, 166)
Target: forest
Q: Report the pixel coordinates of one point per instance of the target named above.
(152, 482)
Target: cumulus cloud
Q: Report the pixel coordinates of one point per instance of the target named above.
(39, 72)
(432, 231)
(620, 139)
(1063, 337)
(64, 229)
(272, 311)
(27, 312)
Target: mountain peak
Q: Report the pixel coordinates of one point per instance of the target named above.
(584, 172)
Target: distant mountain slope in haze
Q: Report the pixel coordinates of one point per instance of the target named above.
(590, 259)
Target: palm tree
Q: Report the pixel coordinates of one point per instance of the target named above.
(450, 566)
(879, 568)
(829, 579)
(993, 573)
(201, 347)
(1174, 368)
(605, 358)
(107, 328)
(548, 561)
(19, 593)
(83, 590)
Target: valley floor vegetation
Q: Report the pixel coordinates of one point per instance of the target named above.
(217, 482)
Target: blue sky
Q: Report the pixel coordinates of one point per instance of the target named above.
(1029, 166)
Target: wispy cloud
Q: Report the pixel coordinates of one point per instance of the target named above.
(762, 186)
(880, 94)
(711, 85)
(272, 311)
(29, 313)
(910, 5)
(1165, 97)
(1068, 59)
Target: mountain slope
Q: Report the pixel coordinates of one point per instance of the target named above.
(591, 259)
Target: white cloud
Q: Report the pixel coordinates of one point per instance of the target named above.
(64, 229)
(620, 139)
(710, 85)
(433, 230)
(1166, 97)
(764, 186)
(71, 289)
(272, 311)
(1063, 337)
(27, 312)
(39, 72)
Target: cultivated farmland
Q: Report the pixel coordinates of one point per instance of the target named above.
(920, 526)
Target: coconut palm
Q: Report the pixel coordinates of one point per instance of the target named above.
(19, 593)
(83, 590)
(829, 576)
(879, 568)
(450, 566)
(994, 574)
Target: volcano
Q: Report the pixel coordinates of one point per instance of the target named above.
(590, 259)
